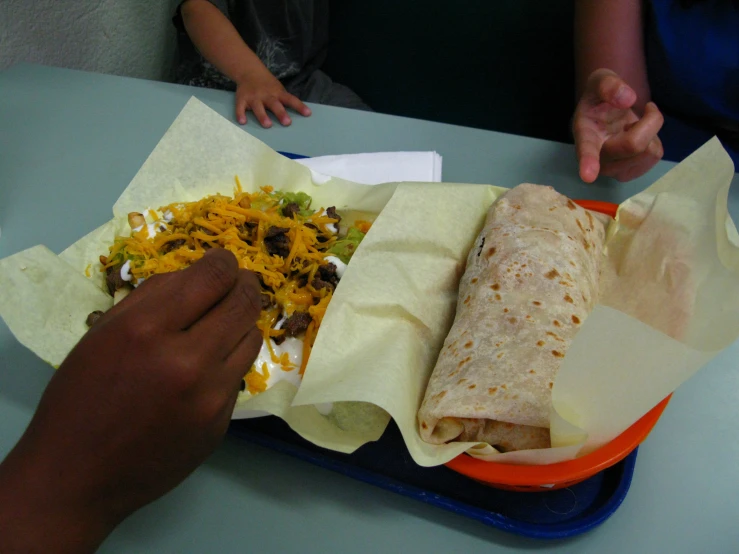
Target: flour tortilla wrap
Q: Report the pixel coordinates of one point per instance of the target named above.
(530, 282)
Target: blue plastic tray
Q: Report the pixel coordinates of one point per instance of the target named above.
(387, 464)
(293, 156)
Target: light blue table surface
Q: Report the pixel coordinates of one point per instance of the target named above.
(70, 142)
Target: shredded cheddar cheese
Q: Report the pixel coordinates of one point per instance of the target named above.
(277, 236)
(363, 225)
(256, 382)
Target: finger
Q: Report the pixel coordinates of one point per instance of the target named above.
(292, 101)
(191, 293)
(606, 86)
(279, 110)
(242, 357)
(261, 114)
(587, 147)
(237, 366)
(638, 137)
(589, 169)
(655, 149)
(224, 417)
(139, 294)
(630, 168)
(241, 107)
(227, 323)
(652, 117)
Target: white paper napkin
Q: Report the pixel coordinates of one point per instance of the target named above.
(379, 167)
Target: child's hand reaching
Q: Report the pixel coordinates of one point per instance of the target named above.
(610, 139)
(261, 91)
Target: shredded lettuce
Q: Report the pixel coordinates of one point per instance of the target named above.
(344, 248)
(302, 199)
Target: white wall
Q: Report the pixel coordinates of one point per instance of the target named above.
(124, 37)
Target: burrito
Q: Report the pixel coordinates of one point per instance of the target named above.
(530, 282)
(298, 253)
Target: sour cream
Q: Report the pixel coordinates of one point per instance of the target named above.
(152, 228)
(294, 348)
(333, 227)
(156, 226)
(126, 271)
(340, 266)
(126, 275)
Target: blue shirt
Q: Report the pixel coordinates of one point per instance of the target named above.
(693, 68)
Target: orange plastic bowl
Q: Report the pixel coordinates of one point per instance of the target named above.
(526, 478)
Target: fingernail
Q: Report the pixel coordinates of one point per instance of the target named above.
(623, 94)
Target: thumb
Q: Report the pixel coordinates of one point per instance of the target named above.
(605, 85)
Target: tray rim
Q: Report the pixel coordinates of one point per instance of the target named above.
(492, 519)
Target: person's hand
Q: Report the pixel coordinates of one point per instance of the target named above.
(261, 91)
(138, 404)
(610, 139)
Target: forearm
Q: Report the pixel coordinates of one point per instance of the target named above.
(40, 512)
(218, 41)
(609, 34)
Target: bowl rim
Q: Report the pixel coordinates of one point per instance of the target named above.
(570, 470)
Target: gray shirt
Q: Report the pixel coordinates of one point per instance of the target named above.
(289, 36)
